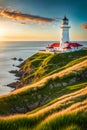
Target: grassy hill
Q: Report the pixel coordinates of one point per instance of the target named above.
(54, 98)
(41, 65)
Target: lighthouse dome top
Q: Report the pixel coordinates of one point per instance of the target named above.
(65, 21)
(65, 18)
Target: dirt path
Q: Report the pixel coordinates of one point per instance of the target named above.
(59, 74)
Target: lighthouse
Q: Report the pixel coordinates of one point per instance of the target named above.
(64, 32)
(64, 45)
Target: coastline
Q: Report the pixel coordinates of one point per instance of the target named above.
(19, 49)
(18, 74)
(44, 88)
(23, 72)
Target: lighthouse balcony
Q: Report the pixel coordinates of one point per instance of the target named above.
(65, 26)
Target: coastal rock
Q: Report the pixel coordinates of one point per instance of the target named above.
(39, 96)
(58, 85)
(13, 71)
(14, 84)
(72, 80)
(20, 59)
(13, 65)
(20, 109)
(14, 58)
(33, 105)
(64, 84)
(51, 86)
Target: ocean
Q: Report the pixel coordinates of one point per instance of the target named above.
(9, 50)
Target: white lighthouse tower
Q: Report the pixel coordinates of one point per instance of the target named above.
(65, 32)
(64, 45)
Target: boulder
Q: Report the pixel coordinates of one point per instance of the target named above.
(39, 96)
(58, 85)
(32, 105)
(72, 80)
(14, 58)
(64, 84)
(51, 86)
(20, 59)
(20, 109)
(13, 71)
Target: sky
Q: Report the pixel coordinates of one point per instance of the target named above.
(40, 20)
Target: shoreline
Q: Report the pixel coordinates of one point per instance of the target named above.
(21, 73)
(16, 83)
(16, 73)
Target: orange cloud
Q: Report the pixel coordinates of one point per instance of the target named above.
(1, 7)
(84, 26)
(17, 15)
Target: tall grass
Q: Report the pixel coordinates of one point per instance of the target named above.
(43, 65)
(66, 107)
(58, 121)
(9, 103)
(63, 121)
(71, 127)
(70, 103)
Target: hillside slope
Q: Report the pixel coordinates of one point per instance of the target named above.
(57, 100)
(37, 94)
(69, 112)
(41, 65)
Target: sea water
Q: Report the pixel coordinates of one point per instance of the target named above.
(9, 50)
(20, 49)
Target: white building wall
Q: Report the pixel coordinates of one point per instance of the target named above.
(64, 35)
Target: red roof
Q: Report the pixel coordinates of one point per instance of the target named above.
(70, 44)
(53, 45)
(50, 47)
(79, 44)
(74, 45)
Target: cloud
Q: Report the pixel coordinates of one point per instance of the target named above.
(18, 15)
(1, 7)
(84, 26)
(22, 22)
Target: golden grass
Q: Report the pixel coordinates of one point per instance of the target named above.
(70, 102)
(43, 81)
(65, 105)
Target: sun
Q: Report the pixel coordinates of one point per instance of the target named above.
(2, 32)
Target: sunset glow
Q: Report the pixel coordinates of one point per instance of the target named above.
(22, 21)
(2, 31)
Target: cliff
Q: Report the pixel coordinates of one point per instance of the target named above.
(51, 94)
(42, 65)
